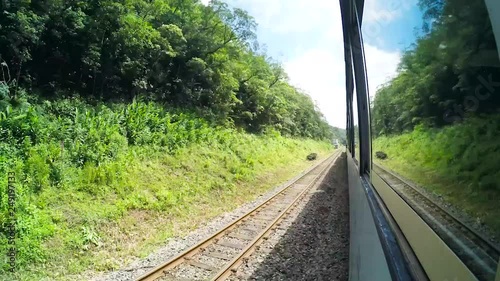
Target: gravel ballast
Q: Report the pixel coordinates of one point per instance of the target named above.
(176, 245)
(312, 243)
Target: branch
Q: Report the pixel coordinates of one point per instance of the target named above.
(274, 82)
(248, 79)
(226, 41)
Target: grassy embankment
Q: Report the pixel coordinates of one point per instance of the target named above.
(459, 163)
(98, 186)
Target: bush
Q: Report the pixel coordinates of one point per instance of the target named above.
(69, 157)
(465, 153)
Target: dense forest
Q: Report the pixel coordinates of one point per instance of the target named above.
(111, 111)
(438, 119)
(183, 54)
(451, 72)
(340, 134)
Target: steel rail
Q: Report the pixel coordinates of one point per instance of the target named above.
(231, 267)
(160, 270)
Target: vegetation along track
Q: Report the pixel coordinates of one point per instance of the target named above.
(477, 252)
(219, 255)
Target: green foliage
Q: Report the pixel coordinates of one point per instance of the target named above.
(185, 54)
(448, 75)
(464, 153)
(113, 84)
(67, 155)
(340, 134)
(458, 162)
(438, 118)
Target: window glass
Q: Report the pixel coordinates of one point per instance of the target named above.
(355, 124)
(349, 126)
(433, 71)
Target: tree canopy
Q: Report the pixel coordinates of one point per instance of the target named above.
(177, 52)
(450, 73)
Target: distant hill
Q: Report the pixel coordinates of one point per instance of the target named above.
(340, 134)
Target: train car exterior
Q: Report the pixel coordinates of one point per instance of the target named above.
(393, 237)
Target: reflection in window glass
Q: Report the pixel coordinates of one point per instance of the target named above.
(435, 74)
(355, 124)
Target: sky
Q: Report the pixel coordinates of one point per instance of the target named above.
(306, 37)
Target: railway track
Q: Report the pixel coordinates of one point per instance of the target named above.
(218, 256)
(477, 252)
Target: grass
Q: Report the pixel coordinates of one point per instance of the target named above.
(459, 163)
(96, 189)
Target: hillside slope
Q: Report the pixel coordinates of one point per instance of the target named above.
(96, 186)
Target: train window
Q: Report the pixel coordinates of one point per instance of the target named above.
(434, 77)
(355, 118)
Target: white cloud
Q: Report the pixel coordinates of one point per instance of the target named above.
(284, 16)
(380, 65)
(318, 67)
(386, 11)
(321, 74)
(380, 11)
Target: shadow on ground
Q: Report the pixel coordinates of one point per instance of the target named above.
(316, 245)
